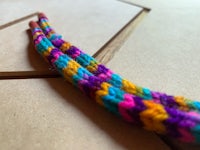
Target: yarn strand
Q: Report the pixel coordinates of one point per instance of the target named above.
(107, 75)
(150, 115)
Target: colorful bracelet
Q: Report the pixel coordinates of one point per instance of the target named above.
(107, 75)
(161, 118)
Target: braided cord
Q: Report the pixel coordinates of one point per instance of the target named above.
(150, 115)
(107, 75)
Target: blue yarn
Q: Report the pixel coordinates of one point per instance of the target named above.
(116, 80)
(111, 103)
(61, 62)
(196, 133)
(76, 79)
(41, 47)
(147, 93)
(196, 105)
(81, 60)
(82, 71)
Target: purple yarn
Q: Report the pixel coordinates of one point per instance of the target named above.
(51, 56)
(135, 111)
(72, 52)
(168, 101)
(57, 42)
(101, 69)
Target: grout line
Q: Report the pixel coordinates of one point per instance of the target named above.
(106, 53)
(17, 21)
(103, 55)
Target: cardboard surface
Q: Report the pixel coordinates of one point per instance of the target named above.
(51, 114)
(163, 52)
(86, 24)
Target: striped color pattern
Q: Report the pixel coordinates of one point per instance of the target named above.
(149, 114)
(109, 76)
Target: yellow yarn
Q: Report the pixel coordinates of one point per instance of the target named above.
(47, 52)
(65, 46)
(44, 24)
(92, 67)
(128, 86)
(102, 92)
(37, 34)
(181, 101)
(154, 116)
(70, 70)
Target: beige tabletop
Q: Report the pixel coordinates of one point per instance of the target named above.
(155, 48)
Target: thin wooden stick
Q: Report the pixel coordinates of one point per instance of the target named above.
(28, 74)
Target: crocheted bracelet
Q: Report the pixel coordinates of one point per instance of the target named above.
(150, 114)
(107, 75)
